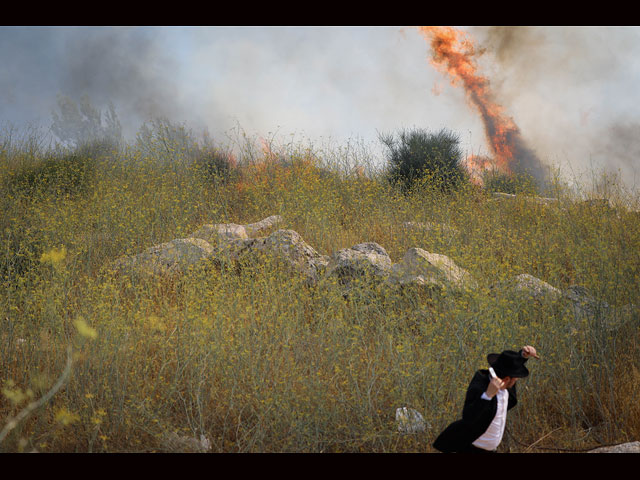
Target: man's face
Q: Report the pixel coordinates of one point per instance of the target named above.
(509, 382)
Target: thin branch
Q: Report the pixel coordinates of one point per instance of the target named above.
(25, 412)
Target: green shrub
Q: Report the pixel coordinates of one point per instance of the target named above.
(418, 153)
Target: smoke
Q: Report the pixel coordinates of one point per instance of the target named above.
(456, 55)
(573, 91)
(126, 66)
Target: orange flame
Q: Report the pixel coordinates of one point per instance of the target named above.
(453, 53)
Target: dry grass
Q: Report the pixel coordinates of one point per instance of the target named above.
(257, 361)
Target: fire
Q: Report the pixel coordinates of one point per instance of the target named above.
(453, 54)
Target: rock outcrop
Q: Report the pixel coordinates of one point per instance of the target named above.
(289, 246)
(629, 447)
(263, 225)
(363, 260)
(424, 268)
(221, 233)
(170, 257)
(533, 287)
(174, 443)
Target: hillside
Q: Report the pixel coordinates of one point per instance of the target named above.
(245, 354)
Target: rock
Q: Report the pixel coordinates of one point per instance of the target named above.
(174, 256)
(175, 443)
(364, 259)
(262, 225)
(534, 287)
(410, 420)
(583, 302)
(221, 233)
(629, 447)
(424, 268)
(289, 246)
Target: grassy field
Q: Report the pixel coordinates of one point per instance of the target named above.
(257, 361)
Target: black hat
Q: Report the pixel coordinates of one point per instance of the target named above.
(508, 364)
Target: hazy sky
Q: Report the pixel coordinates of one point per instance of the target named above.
(572, 91)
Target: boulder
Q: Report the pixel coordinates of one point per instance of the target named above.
(221, 233)
(583, 302)
(289, 246)
(424, 268)
(629, 447)
(174, 256)
(534, 287)
(410, 420)
(258, 227)
(364, 259)
(174, 443)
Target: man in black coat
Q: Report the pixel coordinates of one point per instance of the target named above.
(486, 403)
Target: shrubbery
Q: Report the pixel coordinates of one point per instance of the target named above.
(68, 174)
(495, 181)
(417, 153)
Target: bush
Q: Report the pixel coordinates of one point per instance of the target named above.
(70, 174)
(214, 164)
(495, 181)
(416, 154)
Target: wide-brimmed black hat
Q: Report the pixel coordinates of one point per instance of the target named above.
(508, 364)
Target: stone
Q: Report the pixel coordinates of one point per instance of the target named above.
(289, 246)
(221, 233)
(629, 447)
(174, 256)
(410, 421)
(258, 227)
(175, 443)
(583, 301)
(424, 268)
(534, 287)
(364, 259)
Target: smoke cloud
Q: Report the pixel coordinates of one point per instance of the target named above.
(572, 91)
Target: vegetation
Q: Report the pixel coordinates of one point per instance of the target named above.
(256, 360)
(417, 154)
(496, 181)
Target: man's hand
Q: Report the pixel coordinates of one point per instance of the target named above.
(495, 385)
(529, 351)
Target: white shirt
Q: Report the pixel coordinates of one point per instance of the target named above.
(492, 437)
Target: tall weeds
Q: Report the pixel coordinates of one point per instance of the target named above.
(258, 361)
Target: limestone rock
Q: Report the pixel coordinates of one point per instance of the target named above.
(410, 420)
(175, 443)
(174, 256)
(583, 302)
(534, 287)
(364, 259)
(262, 225)
(221, 233)
(424, 268)
(289, 246)
(629, 447)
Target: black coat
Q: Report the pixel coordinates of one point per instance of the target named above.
(477, 415)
